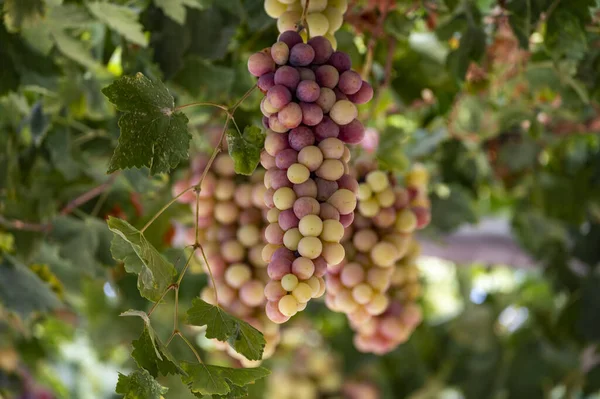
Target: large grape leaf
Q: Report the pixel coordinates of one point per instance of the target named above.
(22, 291)
(151, 354)
(152, 133)
(129, 245)
(245, 148)
(121, 19)
(139, 385)
(205, 379)
(244, 338)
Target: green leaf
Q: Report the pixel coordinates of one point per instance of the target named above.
(140, 385)
(22, 12)
(175, 9)
(22, 291)
(122, 19)
(215, 380)
(244, 338)
(204, 80)
(74, 49)
(152, 133)
(130, 246)
(151, 354)
(245, 148)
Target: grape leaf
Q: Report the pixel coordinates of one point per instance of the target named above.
(151, 354)
(74, 49)
(244, 338)
(140, 385)
(152, 133)
(121, 19)
(22, 12)
(175, 9)
(22, 291)
(130, 246)
(245, 148)
(205, 379)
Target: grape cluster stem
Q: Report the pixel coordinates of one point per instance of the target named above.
(229, 111)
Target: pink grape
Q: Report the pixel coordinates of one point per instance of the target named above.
(274, 143)
(301, 137)
(278, 178)
(363, 95)
(286, 158)
(272, 309)
(340, 61)
(267, 161)
(269, 198)
(322, 47)
(287, 76)
(312, 114)
(280, 53)
(327, 76)
(279, 96)
(320, 266)
(278, 268)
(350, 82)
(327, 128)
(339, 95)
(326, 99)
(274, 234)
(352, 133)
(266, 81)
(306, 206)
(283, 253)
(274, 291)
(307, 90)
(301, 55)
(290, 116)
(261, 63)
(325, 188)
(276, 125)
(306, 74)
(328, 211)
(306, 189)
(287, 219)
(346, 220)
(290, 37)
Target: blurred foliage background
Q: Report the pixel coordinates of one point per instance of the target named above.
(499, 99)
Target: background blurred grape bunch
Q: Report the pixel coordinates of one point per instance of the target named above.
(377, 284)
(230, 213)
(323, 17)
(310, 113)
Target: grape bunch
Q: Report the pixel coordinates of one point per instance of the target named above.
(310, 115)
(383, 333)
(230, 214)
(323, 17)
(377, 284)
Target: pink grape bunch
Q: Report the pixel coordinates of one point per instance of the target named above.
(383, 333)
(231, 217)
(380, 250)
(310, 114)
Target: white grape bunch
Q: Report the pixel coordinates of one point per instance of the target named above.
(231, 219)
(310, 115)
(323, 17)
(380, 252)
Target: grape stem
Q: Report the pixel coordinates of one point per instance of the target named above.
(303, 20)
(197, 189)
